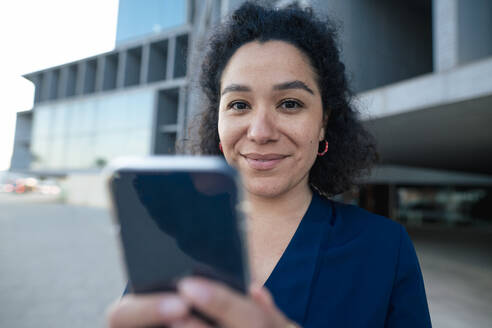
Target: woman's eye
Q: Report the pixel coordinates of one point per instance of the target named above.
(290, 104)
(238, 105)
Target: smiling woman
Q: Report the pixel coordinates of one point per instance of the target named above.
(265, 106)
(279, 109)
(352, 150)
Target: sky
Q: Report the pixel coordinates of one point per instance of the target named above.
(37, 34)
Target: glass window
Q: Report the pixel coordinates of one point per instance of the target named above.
(87, 116)
(74, 125)
(71, 159)
(109, 145)
(140, 110)
(42, 121)
(39, 152)
(89, 132)
(57, 157)
(80, 152)
(138, 143)
(141, 18)
(59, 117)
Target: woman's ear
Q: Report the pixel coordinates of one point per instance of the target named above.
(323, 128)
(322, 134)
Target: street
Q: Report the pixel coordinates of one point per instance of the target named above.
(60, 267)
(457, 268)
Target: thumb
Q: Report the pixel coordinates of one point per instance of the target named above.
(261, 296)
(264, 299)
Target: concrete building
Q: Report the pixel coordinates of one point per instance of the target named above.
(22, 156)
(129, 101)
(422, 71)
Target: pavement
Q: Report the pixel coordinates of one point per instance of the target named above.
(59, 264)
(457, 268)
(60, 267)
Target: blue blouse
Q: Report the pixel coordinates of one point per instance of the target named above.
(346, 267)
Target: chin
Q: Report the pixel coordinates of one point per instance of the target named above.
(265, 189)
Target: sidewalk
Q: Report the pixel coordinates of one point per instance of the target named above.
(457, 268)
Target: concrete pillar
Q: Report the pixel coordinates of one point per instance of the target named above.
(445, 34)
(21, 156)
(37, 80)
(50, 88)
(110, 71)
(62, 87)
(45, 85)
(474, 30)
(171, 51)
(99, 74)
(80, 78)
(120, 75)
(144, 68)
(224, 9)
(182, 115)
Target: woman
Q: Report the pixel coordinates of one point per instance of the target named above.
(279, 110)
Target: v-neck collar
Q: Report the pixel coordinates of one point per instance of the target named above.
(290, 280)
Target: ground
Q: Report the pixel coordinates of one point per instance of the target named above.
(60, 267)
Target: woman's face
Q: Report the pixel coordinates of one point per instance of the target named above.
(270, 117)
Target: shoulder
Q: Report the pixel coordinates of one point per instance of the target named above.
(358, 216)
(382, 240)
(367, 263)
(350, 223)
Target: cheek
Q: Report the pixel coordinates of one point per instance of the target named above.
(312, 144)
(307, 133)
(313, 148)
(224, 128)
(220, 127)
(229, 133)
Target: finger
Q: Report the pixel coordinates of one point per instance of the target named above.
(149, 310)
(190, 322)
(227, 307)
(262, 296)
(264, 299)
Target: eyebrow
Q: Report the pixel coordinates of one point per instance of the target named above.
(293, 85)
(282, 86)
(235, 87)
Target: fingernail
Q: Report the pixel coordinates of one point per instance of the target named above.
(195, 290)
(172, 306)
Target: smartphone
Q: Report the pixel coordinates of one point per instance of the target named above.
(178, 216)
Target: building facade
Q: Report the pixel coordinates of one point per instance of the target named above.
(422, 72)
(125, 102)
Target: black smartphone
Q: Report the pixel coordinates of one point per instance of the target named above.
(178, 216)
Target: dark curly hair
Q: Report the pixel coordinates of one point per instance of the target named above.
(352, 149)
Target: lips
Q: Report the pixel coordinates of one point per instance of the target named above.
(263, 161)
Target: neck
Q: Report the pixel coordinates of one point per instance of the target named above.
(285, 208)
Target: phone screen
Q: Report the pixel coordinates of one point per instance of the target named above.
(175, 224)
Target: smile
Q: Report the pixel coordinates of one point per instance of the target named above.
(263, 161)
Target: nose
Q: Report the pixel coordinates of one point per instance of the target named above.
(262, 127)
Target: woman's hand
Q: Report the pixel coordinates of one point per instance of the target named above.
(229, 308)
(147, 310)
(215, 300)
